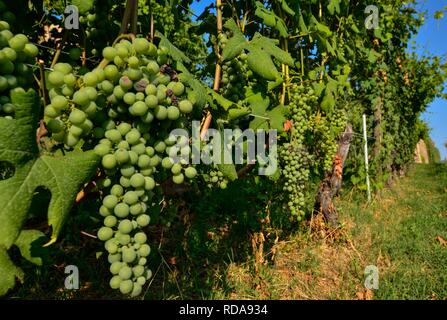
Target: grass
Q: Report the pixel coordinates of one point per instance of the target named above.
(401, 233)
(222, 248)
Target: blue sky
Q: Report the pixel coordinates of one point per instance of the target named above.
(432, 39)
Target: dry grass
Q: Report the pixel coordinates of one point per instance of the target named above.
(330, 264)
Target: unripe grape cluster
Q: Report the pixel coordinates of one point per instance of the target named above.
(235, 79)
(326, 132)
(126, 110)
(17, 56)
(236, 75)
(215, 178)
(312, 146)
(295, 155)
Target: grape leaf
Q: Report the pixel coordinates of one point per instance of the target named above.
(258, 103)
(261, 50)
(274, 84)
(84, 6)
(270, 46)
(30, 244)
(232, 26)
(270, 19)
(174, 52)
(261, 63)
(61, 175)
(234, 47)
(221, 101)
(235, 44)
(286, 7)
(229, 171)
(263, 118)
(234, 113)
(333, 7)
(197, 86)
(302, 24)
(9, 272)
(277, 118)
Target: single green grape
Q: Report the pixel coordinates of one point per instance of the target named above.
(105, 233)
(115, 282)
(131, 197)
(110, 202)
(125, 226)
(185, 106)
(178, 178)
(144, 250)
(143, 220)
(109, 161)
(121, 210)
(129, 255)
(137, 180)
(191, 172)
(140, 238)
(110, 221)
(125, 272)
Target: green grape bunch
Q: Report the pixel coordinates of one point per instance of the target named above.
(125, 110)
(294, 155)
(17, 58)
(236, 78)
(215, 178)
(236, 75)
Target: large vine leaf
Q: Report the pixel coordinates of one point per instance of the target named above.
(270, 19)
(62, 176)
(261, 52)
(286, 7)
(236, 44)
(9, 272)
(270, 46)
(260, 62)
(263, 118)
(333, 7)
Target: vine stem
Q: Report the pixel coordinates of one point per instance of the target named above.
(60, 46)
(287, 70)
(152, 28)
(43, 82)
(302, 62)
(126, 17)
(134, 21)
(130, 16)
(217, 76)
